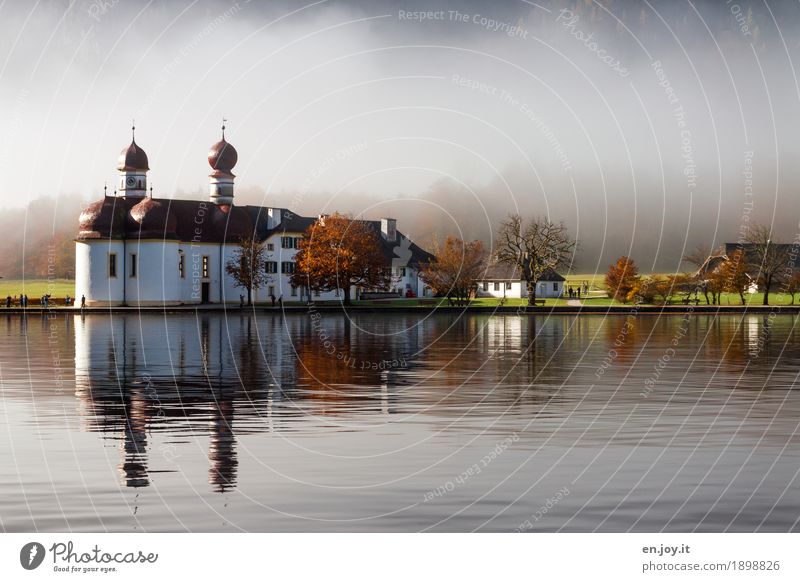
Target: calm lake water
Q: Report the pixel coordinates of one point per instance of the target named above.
(397, 422)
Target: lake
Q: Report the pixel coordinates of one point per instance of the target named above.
(399, 422)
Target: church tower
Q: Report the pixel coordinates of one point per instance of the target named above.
(133, 167)
(222, 158)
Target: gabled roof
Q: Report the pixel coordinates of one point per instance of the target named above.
(749, 252)
(505, 272)
(291, 222)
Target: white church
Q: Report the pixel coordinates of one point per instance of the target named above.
(136, 250)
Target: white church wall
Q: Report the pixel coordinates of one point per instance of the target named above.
(156, 278)
(92, 272)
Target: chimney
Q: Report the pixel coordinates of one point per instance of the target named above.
(274, 217)
(389, 229)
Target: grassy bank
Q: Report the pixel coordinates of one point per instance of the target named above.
(58, 288)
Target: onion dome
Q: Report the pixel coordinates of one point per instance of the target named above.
(152, 218)
(222, 156)
(132, 158)
(231, 223)
(103, 219)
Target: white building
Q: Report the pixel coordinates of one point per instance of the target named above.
(503, 281)
(133, 249)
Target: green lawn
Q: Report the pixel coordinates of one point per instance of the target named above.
(480, 302)
(58, 288)
(597, 281)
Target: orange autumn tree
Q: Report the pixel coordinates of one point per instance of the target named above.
(337, 252)
(622, 278)
(455, 270)
(733, 274)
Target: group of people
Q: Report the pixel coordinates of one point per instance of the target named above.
(44, 301)
(23, 301)
(272, 298)
(576, 292)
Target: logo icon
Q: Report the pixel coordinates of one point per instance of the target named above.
(31, 555)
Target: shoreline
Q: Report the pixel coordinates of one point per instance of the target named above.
(499, 310)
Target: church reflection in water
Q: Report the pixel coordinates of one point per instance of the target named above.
(212, 376)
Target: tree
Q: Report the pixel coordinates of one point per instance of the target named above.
(766, 258)
(715, 283)
(733, 273)
(622, 278)
(456, 269)
(793, 285)
(533, 248)
(247, 266)
(338, 252)
(699, 257)
(684, 284)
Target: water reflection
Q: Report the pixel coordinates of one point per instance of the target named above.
(219, 377)
(337, 420)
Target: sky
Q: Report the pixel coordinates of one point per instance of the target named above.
(649, 128)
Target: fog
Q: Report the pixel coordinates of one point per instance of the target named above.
(649, 128)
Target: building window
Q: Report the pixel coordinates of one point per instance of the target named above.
(271, 290)
(270, 247)
(401, 271)
(271, 267)
(289, 242)
(133, 265)
(294, 291)
(555, 286)
(205, 266)
(181, 265)
(486, 285)
(496, 286)
(112, 265)
(287, 267)
(508, 285)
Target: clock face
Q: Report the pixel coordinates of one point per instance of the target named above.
(131, 181)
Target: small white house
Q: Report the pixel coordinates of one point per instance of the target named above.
(503, 281)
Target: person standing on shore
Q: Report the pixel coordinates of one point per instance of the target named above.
(25, 300)
(8, 301)
(83, 301)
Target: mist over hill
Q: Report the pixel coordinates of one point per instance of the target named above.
(649, 128)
